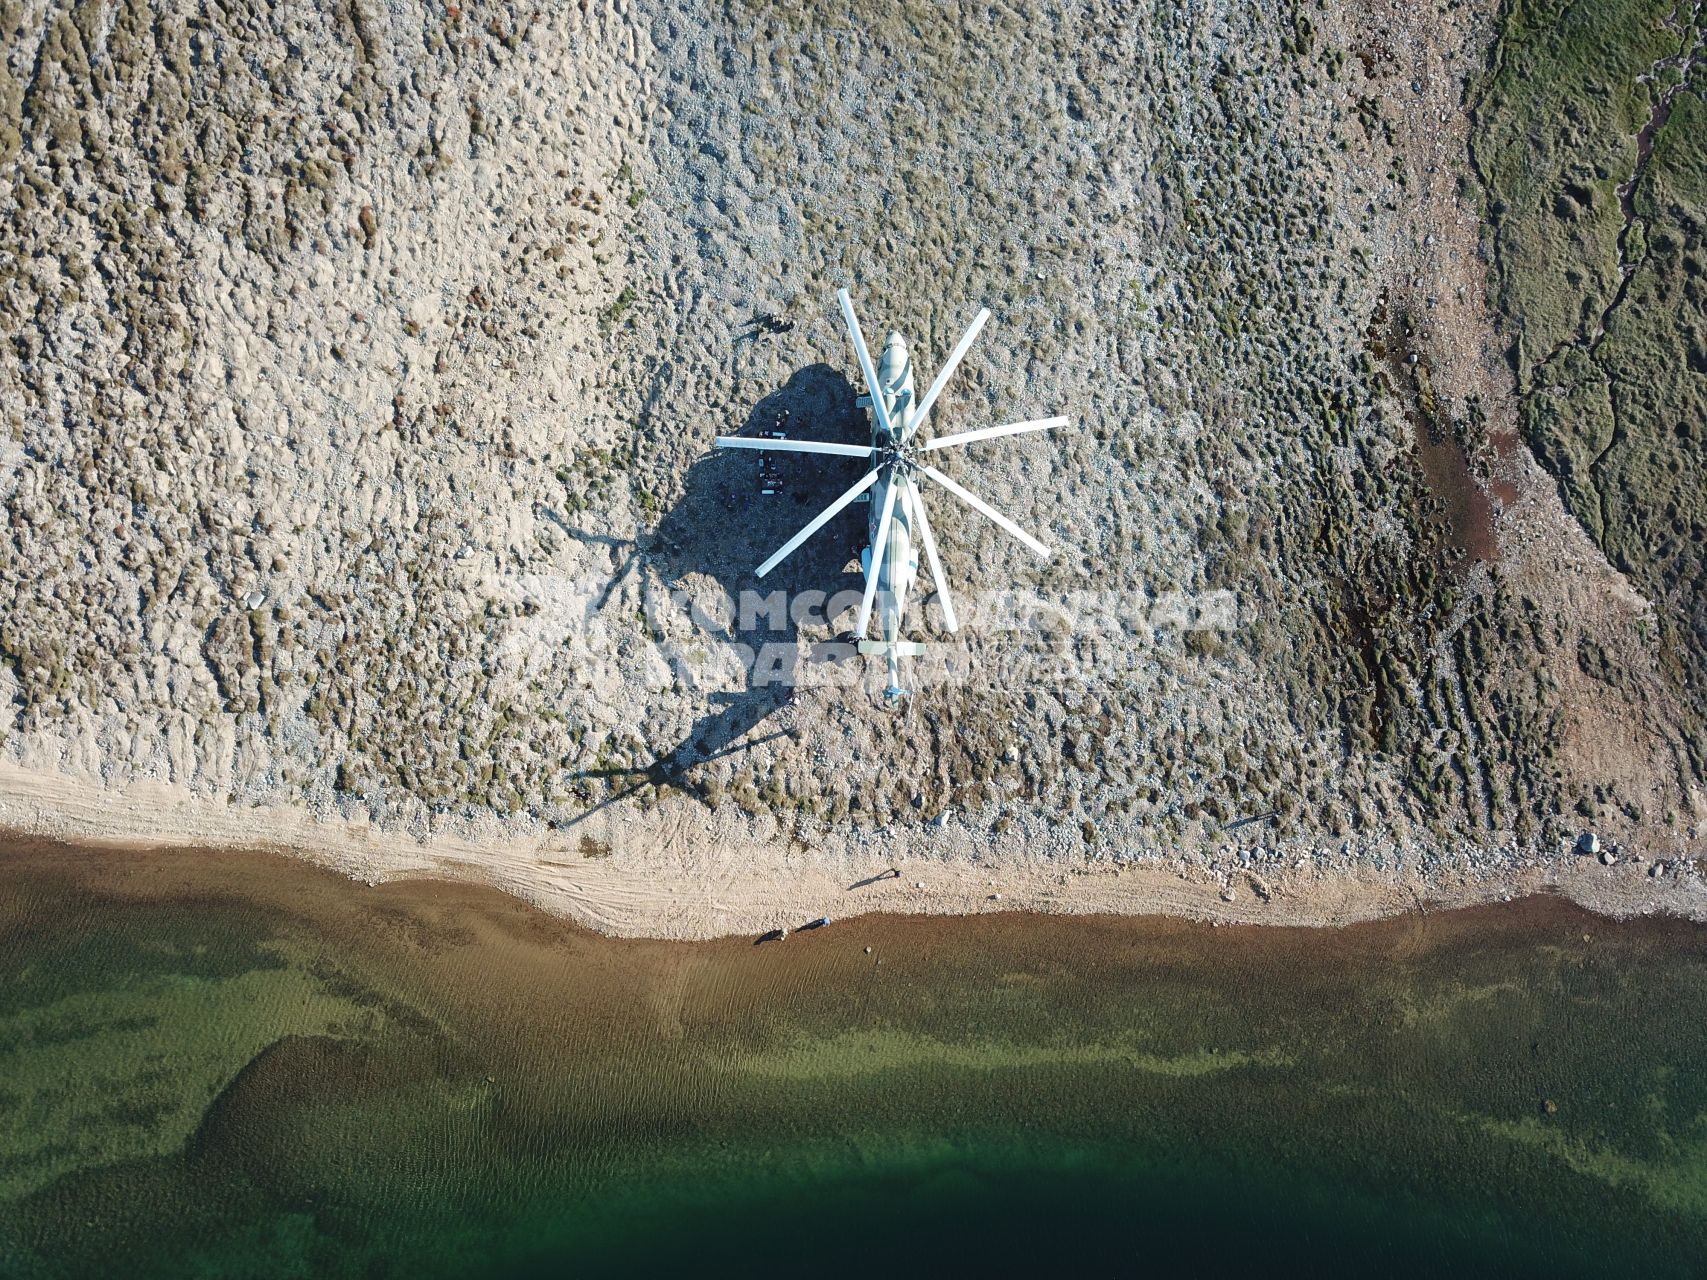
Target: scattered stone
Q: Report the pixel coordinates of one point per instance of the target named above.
(1607, 857)
(1588, 843)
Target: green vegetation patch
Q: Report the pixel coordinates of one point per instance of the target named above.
(1591, 143)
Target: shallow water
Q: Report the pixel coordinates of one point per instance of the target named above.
(237, 1065)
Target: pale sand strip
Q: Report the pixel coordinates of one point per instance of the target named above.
(665, 883)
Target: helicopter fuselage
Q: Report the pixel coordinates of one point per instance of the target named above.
(900, 564)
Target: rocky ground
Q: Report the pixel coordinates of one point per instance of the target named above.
(363, 364)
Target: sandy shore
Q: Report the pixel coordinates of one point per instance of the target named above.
(658, 884)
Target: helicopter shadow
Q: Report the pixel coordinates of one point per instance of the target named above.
(740, 506)
(722, 527)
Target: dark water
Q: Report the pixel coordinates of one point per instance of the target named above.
(238, 1066)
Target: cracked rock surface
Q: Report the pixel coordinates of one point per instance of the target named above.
(1591, 140)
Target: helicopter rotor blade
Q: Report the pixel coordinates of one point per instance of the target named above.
(824, 517)
(983, 508)
(878, 406)
(990, 433)
(948, 617)
(794, 446)
(877, 550)
(918, 416)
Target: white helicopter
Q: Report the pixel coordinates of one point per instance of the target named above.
(897, 502)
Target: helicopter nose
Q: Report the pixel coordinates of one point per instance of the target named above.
(896, 342)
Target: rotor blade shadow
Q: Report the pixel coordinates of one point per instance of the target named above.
(601, 540)
(722, 733)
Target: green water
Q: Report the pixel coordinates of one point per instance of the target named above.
(236, 1066)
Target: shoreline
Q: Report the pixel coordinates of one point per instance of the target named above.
(662, 884)
(429, 1059)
